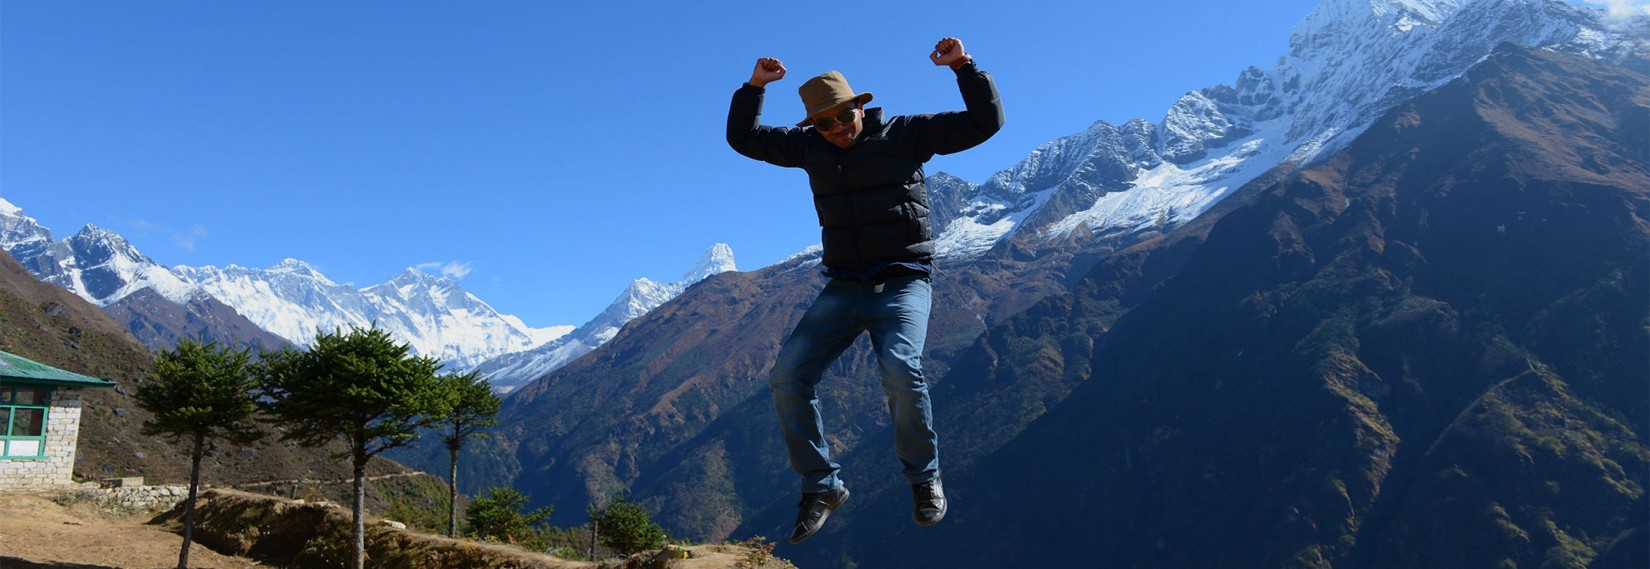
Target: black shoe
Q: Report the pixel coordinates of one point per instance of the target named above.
(812, 511)
(929, 500)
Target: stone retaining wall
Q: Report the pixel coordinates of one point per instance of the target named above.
(130, 499)
(146, 498)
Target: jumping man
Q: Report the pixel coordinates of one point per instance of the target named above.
(865, 170)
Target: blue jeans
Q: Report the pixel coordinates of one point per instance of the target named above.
(895, 313)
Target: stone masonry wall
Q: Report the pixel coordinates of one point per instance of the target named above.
(135, 498)
(62, 434)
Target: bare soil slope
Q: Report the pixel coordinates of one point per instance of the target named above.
(41, 533)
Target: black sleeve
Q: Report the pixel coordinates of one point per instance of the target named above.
(775, 145)
(949, 132)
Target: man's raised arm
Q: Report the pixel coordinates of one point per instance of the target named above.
(946, 133)
(777, 146)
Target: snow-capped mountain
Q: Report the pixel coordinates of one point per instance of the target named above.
(434, 315)
(97, 264)
(291, 300)
(510, 371)
(33, 246)
(1348, 62)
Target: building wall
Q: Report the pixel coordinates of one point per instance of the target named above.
(62, 433)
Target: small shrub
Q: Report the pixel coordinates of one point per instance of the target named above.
(626, 526)
(498, 516)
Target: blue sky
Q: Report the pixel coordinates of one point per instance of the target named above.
(546, 153)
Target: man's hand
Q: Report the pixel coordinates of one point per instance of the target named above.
(949, 52)
(767, 71)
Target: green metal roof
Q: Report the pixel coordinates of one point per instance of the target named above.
(15, 367)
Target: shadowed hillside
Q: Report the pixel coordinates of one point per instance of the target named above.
(1428, 351)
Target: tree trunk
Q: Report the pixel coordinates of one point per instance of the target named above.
(357, 508)
(452, 495)
(189, 508)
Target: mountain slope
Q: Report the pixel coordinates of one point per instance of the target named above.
(103, 268)
(1426, 352)
(675, 408)
(48, 324)
(159, 323)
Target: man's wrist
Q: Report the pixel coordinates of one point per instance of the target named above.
(965, 60)
(763, 86)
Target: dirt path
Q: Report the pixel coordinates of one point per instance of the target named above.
(38, 533)
(291, 481)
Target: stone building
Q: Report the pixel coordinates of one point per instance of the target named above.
(39, 423)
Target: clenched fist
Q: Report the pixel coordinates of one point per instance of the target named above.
(949, 52)
(767, 71)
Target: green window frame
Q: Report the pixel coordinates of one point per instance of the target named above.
(24, 411)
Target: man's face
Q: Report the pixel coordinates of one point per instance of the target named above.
(840, 126)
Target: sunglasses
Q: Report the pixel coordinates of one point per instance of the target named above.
(827, 124)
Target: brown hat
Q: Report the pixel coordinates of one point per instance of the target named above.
(825, 91)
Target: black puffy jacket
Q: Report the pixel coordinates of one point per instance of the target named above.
(871, 200)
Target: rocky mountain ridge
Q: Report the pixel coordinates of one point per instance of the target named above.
(1348, 62)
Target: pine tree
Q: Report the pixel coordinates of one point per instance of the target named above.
(474, 408)
(199, 392)
(361, 388)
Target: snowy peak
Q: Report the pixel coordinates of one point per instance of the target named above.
(291, 265)
(646, 294)
(411, 282)
(1338, 15)
(719, 259)
(642, 295)
(297, 268)
(34, 247)
(97, 246)
(18, 229)
(107, 268)
(1195, 123)
(1429, 11)
(510, 371)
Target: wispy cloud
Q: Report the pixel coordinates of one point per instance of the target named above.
(1626, 16)
(184, 239)
(1624, 8)
(452, 269)
(195, 232)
